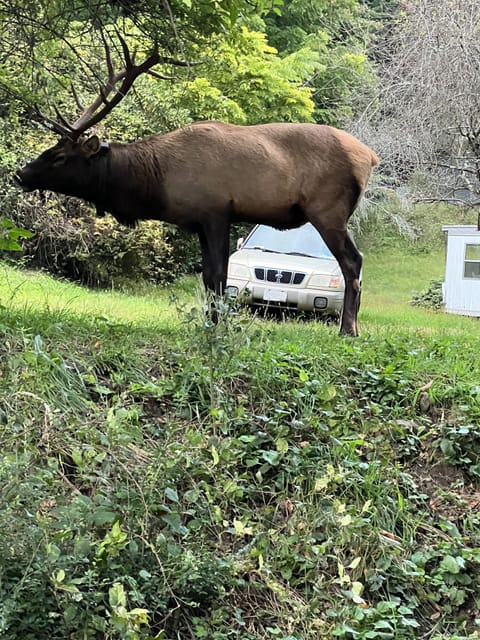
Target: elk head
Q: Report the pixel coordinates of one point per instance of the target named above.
(60, 165)
(63, 167)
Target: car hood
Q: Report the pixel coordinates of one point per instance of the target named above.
(257, 258)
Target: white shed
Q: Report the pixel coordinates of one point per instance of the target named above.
(461, 289)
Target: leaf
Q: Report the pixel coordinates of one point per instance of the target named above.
(411, 622)
(104, 516)
(447, 448)
(60, 576)
(241, 530)
(77, 457)
(115, 536)
(282, 445)
(215, 456)
(116, 595)
(11, 234)
(272, 457)
(357, 588)
(303, 375)
(450, 564)
(171, 495)
(366, 506)
(354, 563)
(346, 520)
(174, 522)
(383, 624)
(9, 245)
(102, 390)
(140, 616)
(322, 483)
(16, 233)
(327, 393)
(239, 527)
(143, 573)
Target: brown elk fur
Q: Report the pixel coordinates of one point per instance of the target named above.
(207, 175)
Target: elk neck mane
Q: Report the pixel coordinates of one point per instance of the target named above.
(129, 178)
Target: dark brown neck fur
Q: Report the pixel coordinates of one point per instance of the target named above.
(130, 182)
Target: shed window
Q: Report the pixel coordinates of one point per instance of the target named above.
(472, 261)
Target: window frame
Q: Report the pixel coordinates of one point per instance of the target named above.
(471, 261)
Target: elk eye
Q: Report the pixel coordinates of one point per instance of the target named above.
(59, 160)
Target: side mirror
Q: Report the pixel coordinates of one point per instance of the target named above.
(239, 243)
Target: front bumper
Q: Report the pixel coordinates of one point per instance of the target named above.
(286, 297)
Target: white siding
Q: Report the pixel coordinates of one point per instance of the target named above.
(461, 295)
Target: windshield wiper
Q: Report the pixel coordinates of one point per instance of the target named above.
(262, 249)
(300, 253)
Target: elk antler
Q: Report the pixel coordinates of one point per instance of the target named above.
(102, 105)
(61, 129)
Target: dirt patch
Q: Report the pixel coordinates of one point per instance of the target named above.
(451, 494)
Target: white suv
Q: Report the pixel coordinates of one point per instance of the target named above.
(291, 269)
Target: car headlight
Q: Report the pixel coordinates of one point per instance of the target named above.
(236, 270)
(318, 282)
(325, 281)
(335, 282)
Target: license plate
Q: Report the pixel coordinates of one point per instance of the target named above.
(275, 295)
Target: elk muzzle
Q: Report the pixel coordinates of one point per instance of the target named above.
(19, 181)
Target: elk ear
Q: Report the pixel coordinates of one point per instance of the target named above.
(90, 146)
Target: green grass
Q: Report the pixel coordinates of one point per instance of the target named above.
(38, 290)
(389, 280)
(162, 477)
(392, 276)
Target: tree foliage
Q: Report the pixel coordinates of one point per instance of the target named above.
(339, 35)
(46, 39)
(231, 60)
(268, 61)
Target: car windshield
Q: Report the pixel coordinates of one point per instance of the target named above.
(302, 241)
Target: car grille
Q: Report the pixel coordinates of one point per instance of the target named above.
(279, 276)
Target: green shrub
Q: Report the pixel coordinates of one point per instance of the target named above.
(430, 298)
(70, 242)
(242, 480)
(104, 254)
(395, 221)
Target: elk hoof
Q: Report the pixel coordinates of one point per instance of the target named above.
(349, 331)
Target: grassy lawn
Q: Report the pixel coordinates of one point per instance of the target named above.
(164, 478)
(390, 278)
(39, 291)
(393, 275)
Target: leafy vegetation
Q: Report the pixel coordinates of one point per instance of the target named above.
(10, 236)
(95, 251)
(390, 221)
(431, 297)
(339, 35)
(163, 477)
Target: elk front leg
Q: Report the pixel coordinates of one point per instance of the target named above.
(214, 241)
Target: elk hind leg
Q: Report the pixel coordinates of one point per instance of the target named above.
(341, 244)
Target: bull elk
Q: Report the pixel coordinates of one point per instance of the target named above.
(208, 175)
